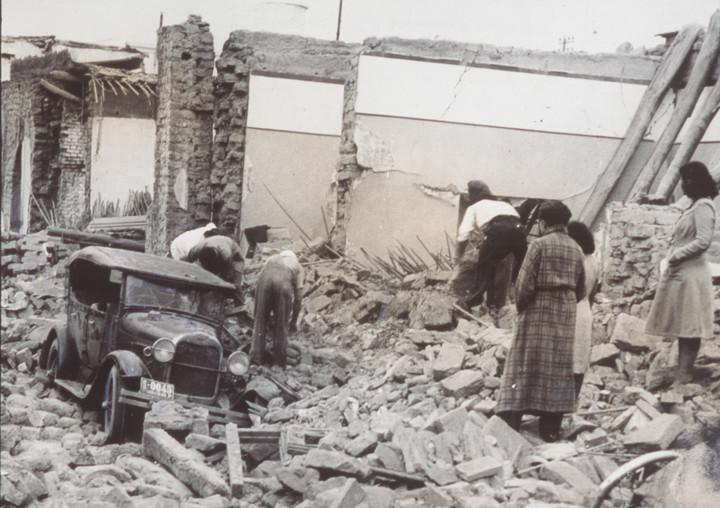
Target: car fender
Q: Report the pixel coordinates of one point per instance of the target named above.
(130, 365)
(65, 343)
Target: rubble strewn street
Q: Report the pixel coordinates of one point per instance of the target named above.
(388, 401)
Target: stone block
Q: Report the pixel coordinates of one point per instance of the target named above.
(317, 303)
(88, 473)
(604, 354)
(336, 462)
(433, 312)
(389, 456)
(203, 443)
(509, 441)
(441, 474)
(647, 408)
(383, 422)
(657, 434)
(378, 497)
(449, 360)
(297, 478)
(362, 444)
(184, 464)
(348, 496)
(629, 335)
(481, 467)
(412, 446)
(176, 419)
(562, 472)
(463, 383)
(20, 486)
(452, 421)
(153, 474)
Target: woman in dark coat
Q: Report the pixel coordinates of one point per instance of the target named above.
(538, 376)
(683, 304)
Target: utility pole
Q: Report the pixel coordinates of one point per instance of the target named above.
(566, 44)
(337, 36)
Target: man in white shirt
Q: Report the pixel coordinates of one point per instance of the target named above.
(278, 290)
(180, 246)
(493, 230)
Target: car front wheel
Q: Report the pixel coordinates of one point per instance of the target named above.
(113, 409)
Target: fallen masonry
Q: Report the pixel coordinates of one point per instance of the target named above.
(370, 412)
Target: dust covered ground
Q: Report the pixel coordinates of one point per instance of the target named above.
(388, 401)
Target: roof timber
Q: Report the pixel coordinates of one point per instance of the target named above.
(618, 67)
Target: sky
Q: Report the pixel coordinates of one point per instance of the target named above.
(591, 26)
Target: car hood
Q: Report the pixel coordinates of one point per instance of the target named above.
(154, 325)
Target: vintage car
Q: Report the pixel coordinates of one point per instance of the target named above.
(141, 328)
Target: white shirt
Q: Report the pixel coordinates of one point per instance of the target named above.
(180, 247)
(288, 259)
(479, 214)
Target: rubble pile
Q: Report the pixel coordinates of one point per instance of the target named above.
(388, 401)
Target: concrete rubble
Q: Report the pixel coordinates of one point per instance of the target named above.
(395, 397)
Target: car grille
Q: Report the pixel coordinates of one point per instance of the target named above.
(188, 379)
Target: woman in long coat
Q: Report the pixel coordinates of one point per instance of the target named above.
(538, 376)
(683, 304)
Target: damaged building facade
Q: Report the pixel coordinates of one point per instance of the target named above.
(371, 145)
(78, 129)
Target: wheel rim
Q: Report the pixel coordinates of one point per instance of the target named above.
(110, 401)
(53, 361)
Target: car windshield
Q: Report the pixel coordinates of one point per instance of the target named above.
(200, 301)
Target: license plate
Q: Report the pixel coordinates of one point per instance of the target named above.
(157, 388)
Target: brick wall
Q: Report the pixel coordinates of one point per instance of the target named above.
(285, 56)
(183, 150)
(74, 187)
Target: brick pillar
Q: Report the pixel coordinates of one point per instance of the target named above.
(73, 198)
(183, 148)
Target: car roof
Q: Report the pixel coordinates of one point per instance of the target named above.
(150, 265)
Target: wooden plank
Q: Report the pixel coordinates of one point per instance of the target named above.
(695, 133)
(97, 239)
(687, 98)
(59, 91)
(670, 66)
(407, 478)
(234, 460)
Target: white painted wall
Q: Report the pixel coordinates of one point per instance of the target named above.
(123, 157)
(293, 139)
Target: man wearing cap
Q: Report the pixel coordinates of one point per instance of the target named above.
(180, 247)
(278, 290)
(493, 230)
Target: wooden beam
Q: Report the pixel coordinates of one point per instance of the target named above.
(670, 66)
(234, 460)
(689, 144)
(687, 98)
(97, 239)
(59, 91)
(65, 76)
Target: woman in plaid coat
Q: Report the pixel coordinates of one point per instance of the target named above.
(538, 376)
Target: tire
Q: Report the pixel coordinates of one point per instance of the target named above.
(63, 366)
(113, 409)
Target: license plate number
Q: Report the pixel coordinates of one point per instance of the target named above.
(157, 388)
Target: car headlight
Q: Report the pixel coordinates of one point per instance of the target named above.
(238, 363)
(163, 350)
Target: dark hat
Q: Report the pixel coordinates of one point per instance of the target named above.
(479, 188)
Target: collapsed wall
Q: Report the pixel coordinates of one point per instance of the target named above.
(183, 149)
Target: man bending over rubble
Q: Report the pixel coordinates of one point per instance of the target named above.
(280, 282)
(493, 230)
(221, 256)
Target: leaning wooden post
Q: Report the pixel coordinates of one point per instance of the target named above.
(689, 144)
(669, 67)
(687, 99)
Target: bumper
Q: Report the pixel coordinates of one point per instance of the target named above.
(216, 414)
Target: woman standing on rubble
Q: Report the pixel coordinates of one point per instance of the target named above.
(683, 304)
(538, 376)
(584, 320)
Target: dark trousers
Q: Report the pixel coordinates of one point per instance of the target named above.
(549, 425)
(504, 236)
(273, 306)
